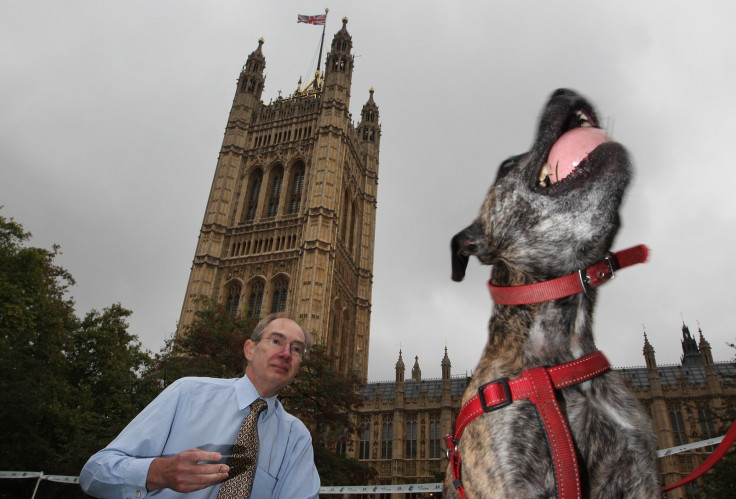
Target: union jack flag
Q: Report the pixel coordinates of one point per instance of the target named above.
(319, 20)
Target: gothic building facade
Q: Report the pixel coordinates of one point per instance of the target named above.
(403, 423)
(289, 224)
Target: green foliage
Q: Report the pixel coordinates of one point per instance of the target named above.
(720, 482)
(321, 396)
(339, 470)
(324, 400)
(35, 320)
(211, 346)
(106, 366)
(67, 386)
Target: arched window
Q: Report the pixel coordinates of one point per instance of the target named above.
(364, 451)
(274, 192)
(387, 439)
(351, 228)
(296, 188)
(254, 192)
(411, 439)
(233, 299)
(435, 438)
(280, 290)
(346, 347)
(255, 299)
(707, 429)
(342, 442)
(678, 427)
(345, 215)
(333, 345)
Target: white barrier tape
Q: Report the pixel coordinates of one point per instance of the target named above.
(39, 474)
(20, 474)
(61, 478)
(379, 489)
(360, 489)
(683, 448)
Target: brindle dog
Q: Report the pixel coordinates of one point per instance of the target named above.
(540, 222)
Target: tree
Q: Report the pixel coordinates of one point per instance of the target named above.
(35, 320)
(212, 345)
(67, 387)
(105, 366)
(721, 481)
(325, 401)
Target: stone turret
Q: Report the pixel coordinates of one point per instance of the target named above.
(446, 366)
(416, 372)
(400, 369)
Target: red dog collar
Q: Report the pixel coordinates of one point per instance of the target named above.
(537, 385)
(582, 280)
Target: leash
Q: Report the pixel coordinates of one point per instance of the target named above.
(537, 385)
(581, 281)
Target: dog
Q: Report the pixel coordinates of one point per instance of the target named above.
(549, 213)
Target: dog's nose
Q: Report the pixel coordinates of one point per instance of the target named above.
(564, 92)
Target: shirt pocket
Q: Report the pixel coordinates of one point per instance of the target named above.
(263, 483)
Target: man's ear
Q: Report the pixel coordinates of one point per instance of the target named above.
(248, 347)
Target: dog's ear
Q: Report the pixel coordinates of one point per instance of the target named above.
(462, 246)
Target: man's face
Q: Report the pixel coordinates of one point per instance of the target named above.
(270, 366)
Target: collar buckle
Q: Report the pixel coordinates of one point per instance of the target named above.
(600, 273)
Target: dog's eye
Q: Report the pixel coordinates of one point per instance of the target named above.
(507, 166)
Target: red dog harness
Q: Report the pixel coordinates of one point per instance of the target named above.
(538, 384)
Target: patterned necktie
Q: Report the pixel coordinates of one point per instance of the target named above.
(245, 454)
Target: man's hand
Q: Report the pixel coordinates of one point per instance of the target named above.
(183, 473)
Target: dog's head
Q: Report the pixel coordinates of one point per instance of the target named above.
(553, 209)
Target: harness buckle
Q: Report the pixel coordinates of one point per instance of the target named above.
(504, 382)
(451, 444)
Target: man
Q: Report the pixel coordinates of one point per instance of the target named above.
(181, 442)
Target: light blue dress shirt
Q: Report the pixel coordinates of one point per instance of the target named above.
(206, 414)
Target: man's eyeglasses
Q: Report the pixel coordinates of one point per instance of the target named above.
(297, 348)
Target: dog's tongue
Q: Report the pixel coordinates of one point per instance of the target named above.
(572, 148)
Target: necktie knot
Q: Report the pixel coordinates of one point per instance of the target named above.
(258, 406)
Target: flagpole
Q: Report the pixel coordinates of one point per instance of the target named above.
(321, 44)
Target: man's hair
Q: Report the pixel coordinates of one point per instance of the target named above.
(261, 326)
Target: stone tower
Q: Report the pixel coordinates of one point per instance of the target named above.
(290, 220)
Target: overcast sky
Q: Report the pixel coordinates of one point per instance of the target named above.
(112, 115)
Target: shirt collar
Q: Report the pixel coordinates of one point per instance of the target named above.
(247, 394)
